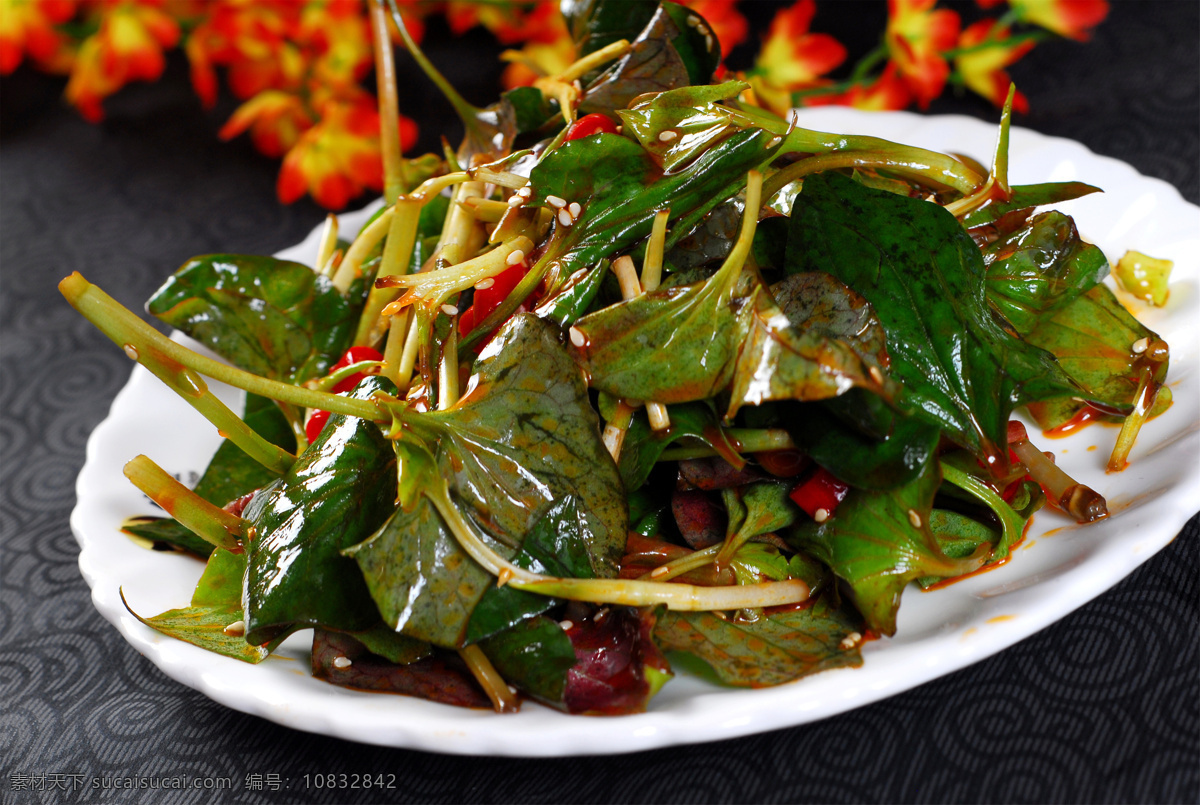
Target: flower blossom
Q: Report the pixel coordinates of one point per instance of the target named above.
(791, 58)
(985, 54)
(1070, 18)
(128, 46)
(27, 27)
(917, 36)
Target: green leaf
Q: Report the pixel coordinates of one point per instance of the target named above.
(1092, 337)
(338, 492)
(1035, 271)
(620, 188)
(1028, 196)
(523, 437)
(924, 277)
(534, 656)
(691, 114)
(669, 53)
(216, 604)
(774, 649)
(877, 542)
(818, 302)
(271, 317)
(879, 450)
(555, 546)
(643, 446)
(572, 299)
(687, 343)
(594, 24)
(230, 474)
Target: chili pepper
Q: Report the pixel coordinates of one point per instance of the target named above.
(820, 492)
(588, 125)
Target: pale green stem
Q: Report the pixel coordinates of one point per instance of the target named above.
(503, 699)
(394, 180)
(748, 440)
(210, 522)
(582, 67)
(626, 592)
(124, 328)
(682, 565)
(397, 252)
(327, 245)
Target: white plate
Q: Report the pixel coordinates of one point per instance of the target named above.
(1058, 568)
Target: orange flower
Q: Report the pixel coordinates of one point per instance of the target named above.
(887, 93)
(27, 27)
(339, 157)
(792, 58)
(255, 40)
(127, 47)
(727, 23)
(510, 22)
(1069, 18)
(916, 37)
(538, 59)
(984, 57)
(339, 36)
(275, 118)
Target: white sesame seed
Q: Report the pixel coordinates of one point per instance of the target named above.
(774, 141)
(875, 374)
(512, 690)
(515, 200)
(659, 571)
(515, 257)
(1140, 346)
(450, 310)
(667, 136)
(708, 41)
(342, 662)
(131, 351)
(525, 192)
(565, 218)
(577, 337)
(485, 283)
(601, 615)
(914, 518)
(821, 515)
(850, 641)
(566, 625)
(503, 577)
(235, 629)
(556, 202)
(692, 22)
(574, 209)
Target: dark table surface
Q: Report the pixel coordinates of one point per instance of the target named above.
(1102, 706)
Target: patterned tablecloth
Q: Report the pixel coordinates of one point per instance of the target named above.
(1102, 706)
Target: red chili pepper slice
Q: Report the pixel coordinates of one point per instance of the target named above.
(588, 125)
(353, 355)
(820, 491)
(315, 424)
(488, 299)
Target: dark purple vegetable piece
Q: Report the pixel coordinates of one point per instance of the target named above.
(699, 518)
(442, 678)
(612, 651)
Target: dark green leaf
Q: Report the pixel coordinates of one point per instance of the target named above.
(534, 656)
(575, 296)
(555, 546)
(340, 490)
(691, 113)
(275, 318)
(769, 651)
(216, 605)
(924, 277)
(620, 188)
(877, 542)
(643, 446)
(595, 24)
(1037, 270)
(1092, 337)
(1028, 196)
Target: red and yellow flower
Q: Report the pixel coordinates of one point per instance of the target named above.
(792, 58)
(27, 28)
(985, 51)
(1073, 19)
(917, 38)
(339, 157)
(887, 93)
(128, 46)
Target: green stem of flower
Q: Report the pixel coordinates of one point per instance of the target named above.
(465, 110)
(180, 366)
(394, 179)
(211, 523)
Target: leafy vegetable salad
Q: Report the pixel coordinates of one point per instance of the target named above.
(640, 374)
